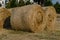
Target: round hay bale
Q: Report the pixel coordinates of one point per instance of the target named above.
(29, 18)
(4, 13)
(51, 19)
(10, 10)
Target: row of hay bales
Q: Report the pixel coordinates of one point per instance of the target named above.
(30, 18)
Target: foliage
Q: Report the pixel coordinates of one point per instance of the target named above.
(21, 3)
(11, 4)
(28, 2)
(0, 5)
(48, 3)
(14, 3)
(57, 7)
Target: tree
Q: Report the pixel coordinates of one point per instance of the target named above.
(40, 2)
(48, 3)
(0, 5)
(21, 3)
(28, 2)
(15, 3)
(57, 7)
(11, 4)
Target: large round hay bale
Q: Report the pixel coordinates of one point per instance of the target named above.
(4, 13)
(50, 10)
(29, 18)
(10, 10)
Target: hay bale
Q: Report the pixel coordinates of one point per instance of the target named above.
(4, 13)
(29, 18)
(51, 19)
(10, 10)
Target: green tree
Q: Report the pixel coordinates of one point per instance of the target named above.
(48, 3)
(11, 4)
(28, 2)
(21, 3)
(0, 5)
(15, 3)
(57, 7)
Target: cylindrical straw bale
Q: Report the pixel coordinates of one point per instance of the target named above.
(50, 10)
(29, 18)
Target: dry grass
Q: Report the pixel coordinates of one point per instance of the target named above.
(20, 35)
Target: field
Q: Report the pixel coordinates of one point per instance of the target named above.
(22, 35)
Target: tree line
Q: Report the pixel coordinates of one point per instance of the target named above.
(15, 3)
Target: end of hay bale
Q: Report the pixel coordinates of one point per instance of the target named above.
(4, 13)
(51, 18)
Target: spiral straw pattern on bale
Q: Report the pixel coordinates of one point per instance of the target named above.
(4, 13)
(51, 18)
(29, 18)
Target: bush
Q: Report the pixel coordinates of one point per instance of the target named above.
(57, 7)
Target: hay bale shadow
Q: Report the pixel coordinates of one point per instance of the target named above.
(7, 24)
